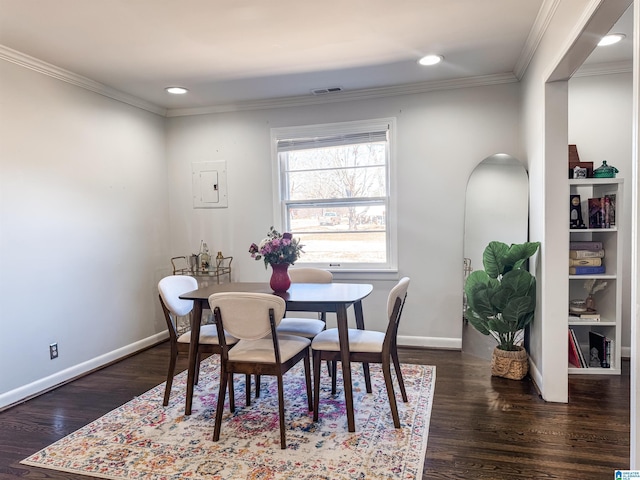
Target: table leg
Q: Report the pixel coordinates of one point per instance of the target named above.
(343, 334)
(196, 320)
(357, 307)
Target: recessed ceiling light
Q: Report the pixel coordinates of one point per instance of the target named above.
(430, 60)
(176, 90)
(611, 39)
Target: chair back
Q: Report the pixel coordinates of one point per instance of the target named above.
(170, 289)
(310, 275)
(395, 304)
(246, 315)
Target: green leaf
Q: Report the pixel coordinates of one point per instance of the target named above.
(518, 283)
(500, 325)
(518, 253)
(477, 322)
(516, 309)
(493, 258)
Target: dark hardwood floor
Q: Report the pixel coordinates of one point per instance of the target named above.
(481, 427)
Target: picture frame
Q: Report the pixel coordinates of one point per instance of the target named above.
(579, 172)
(586, 165)
(575, 212)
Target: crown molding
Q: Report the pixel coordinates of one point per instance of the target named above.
(607, 68)
(540, 25)
(58, 73)
(45, 68)
(363, 94)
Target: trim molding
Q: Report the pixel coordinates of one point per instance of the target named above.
(536, 376)
(363, 94)
(58, 73)
(431, 342)
(540, 25)
(608, 68)
(67, 375)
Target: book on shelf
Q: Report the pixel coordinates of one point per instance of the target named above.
(578, 254)
(602, 211)
(596, 213)
(585, 246)
(574, 340)
(586, 270)
(608, 351)
(598, 350)
(610, 210)
(574, 358)
(585, 262)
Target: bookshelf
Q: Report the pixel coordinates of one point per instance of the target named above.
(608, 300)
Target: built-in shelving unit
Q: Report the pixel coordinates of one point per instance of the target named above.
(609, 300)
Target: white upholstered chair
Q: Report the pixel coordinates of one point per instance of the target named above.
(253, 319)
(366, 346)
(305, 327)
(170, 288)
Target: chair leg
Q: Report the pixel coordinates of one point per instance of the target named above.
(232, 394)
(307, 375)
(334, 380)
(172, 367)
(283, 441)
(386, 370)
(367, 377)
(247, 381)
(316, 383)
(221, 394)
(197, 375)
(396, 366)
(257, 386)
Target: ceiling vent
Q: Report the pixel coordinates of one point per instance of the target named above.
(324, 91)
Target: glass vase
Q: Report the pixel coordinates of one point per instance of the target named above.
(280, 281)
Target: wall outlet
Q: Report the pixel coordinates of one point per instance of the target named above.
(53, 350)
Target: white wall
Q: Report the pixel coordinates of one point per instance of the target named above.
(441, 137)
(600, 117)
(561, 51)
(548, 346)
(83, 230)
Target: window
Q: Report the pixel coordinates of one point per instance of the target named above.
(334, 193)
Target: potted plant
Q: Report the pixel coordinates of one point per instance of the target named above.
(501, 301)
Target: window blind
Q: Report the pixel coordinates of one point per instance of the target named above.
(305, 143)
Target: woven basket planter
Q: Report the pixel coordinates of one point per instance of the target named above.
(510, 364)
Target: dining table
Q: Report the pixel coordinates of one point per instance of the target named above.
(300, 297)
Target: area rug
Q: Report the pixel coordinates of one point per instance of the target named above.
(143, 440)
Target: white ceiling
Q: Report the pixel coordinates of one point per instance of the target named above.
(234, 52)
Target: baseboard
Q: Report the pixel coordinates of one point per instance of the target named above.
(535, 375)
(430, 342)
(43, 385)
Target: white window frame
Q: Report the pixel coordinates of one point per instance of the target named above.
(360, 126)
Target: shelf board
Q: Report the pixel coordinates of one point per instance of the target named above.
(604, 276)
(594, 371)
(592, 323)
(594, 181)
(593, 230)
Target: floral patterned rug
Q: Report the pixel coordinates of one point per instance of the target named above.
(143, 440)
